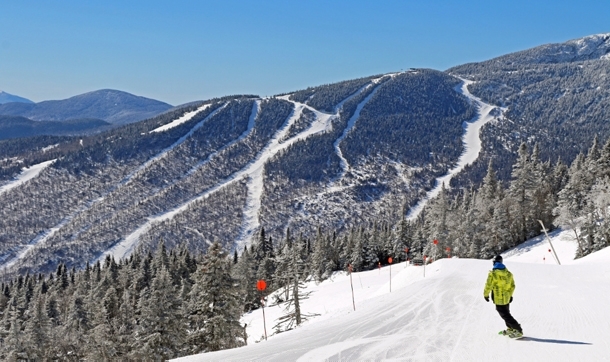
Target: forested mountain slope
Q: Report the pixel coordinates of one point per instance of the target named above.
(19, 127)
(331, 158)
(557, 95)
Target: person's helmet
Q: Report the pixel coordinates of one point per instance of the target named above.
(498, 259)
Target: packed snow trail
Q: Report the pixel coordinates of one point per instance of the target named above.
(472, 146)
(26, 175)
(185, 118)
(443, 317)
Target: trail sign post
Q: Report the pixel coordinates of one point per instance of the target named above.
(390, 262)
(549, 239)
(261, 285)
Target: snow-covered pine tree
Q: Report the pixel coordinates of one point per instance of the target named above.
(603, 162)
(436, 223)
(320, 258)
(37, 330)
(216, 308)
(403, 237)
(160, 333)
(356, 258)
(542, 201)
(294, 284)
(466, 226)
(520, 191)
(244, 272)
(571, 200)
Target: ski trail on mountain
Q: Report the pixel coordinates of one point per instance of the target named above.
(253, 171)
(26, 175)
(351, 123)
(180, 141)
(185, 118)
(126, 246)
(471, 141)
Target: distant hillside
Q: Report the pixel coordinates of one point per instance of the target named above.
(556, 95)
(112, 106)
(7, 98)
(17, 127)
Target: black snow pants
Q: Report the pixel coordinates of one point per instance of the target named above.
(504, 312)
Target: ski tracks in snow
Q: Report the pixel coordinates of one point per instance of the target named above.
(472, 145)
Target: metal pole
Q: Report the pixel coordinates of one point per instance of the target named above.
(390, 278)
(547, 236)
(264, 320)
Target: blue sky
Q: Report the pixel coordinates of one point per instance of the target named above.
(180, 51)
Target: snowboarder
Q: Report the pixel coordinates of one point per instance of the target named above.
(501, 284)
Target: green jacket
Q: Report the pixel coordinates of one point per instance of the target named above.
(501, 284)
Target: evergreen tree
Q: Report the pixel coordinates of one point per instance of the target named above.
(215, 302)
(520, 191)
(37, 330)
(160, 333)
(295, 284)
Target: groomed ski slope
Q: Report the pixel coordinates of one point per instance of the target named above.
(26, 175)
(443, 317)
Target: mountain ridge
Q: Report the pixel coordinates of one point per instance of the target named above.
(113, 106)
(7, 98)
(334, 157)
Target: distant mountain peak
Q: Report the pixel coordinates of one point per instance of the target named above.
(7, 98)
(113, 106)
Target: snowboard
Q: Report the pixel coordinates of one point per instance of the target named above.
(503, 333)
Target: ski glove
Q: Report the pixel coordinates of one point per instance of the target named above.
(511, 300)
(486, 298)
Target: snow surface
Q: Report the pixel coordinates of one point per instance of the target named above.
(443, 316)
(472, 146)
(26, 175)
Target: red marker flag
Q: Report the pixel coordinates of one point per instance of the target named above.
(261, 285)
